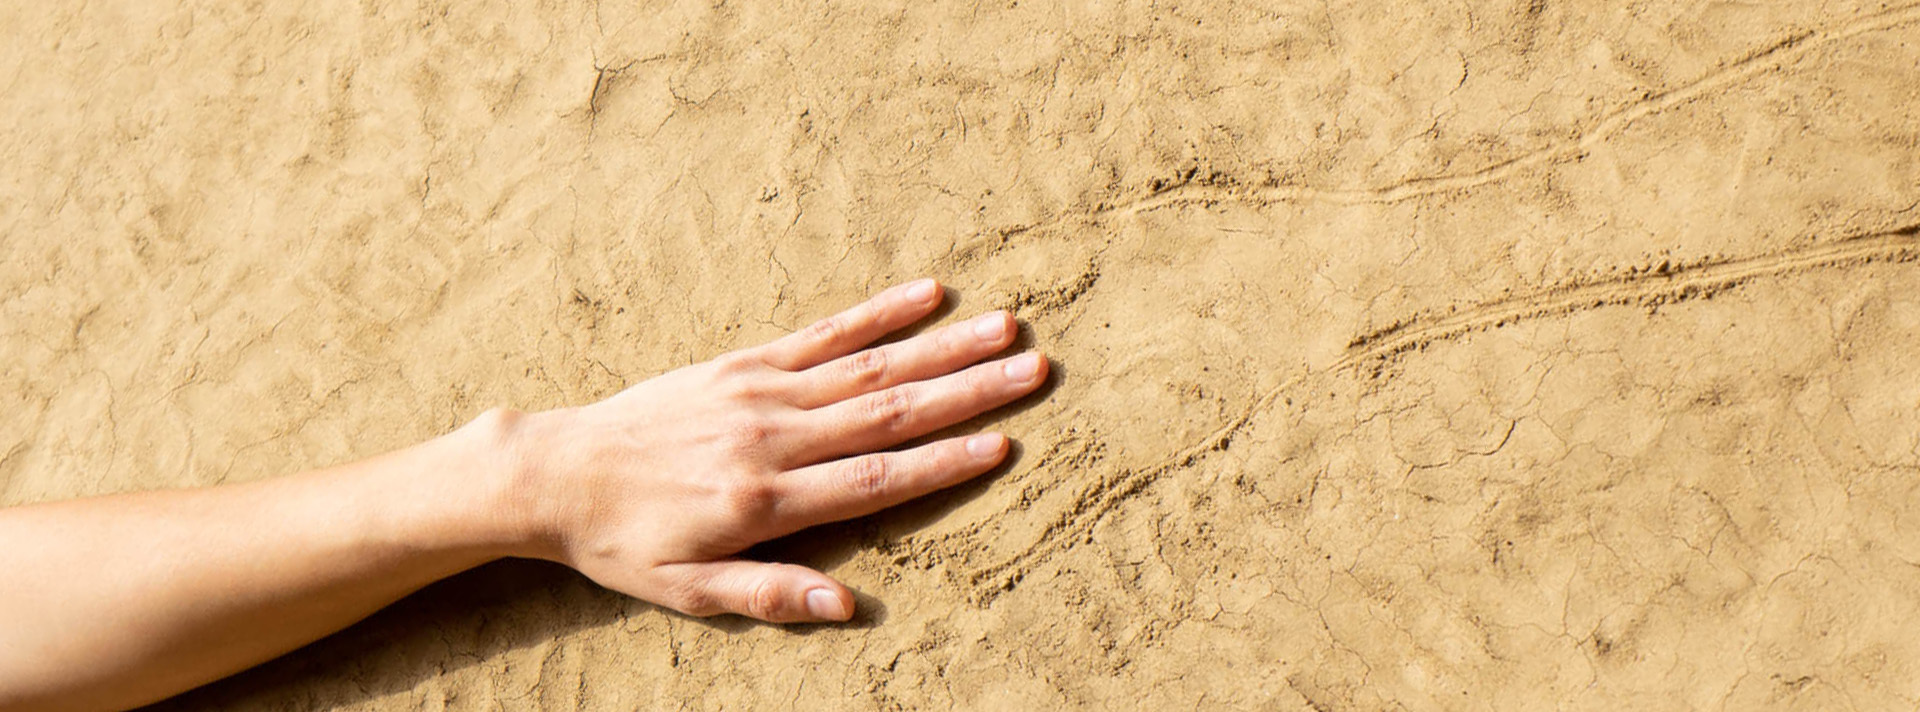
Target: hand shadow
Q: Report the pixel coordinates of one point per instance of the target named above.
(451, 624)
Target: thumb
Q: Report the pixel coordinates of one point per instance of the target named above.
(776, 593)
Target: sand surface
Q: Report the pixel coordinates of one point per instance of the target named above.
(1427, 355)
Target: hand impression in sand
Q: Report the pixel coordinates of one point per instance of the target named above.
(652, 492)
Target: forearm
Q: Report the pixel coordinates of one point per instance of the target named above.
(118, 601)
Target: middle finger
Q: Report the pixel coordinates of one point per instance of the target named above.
(928, 355)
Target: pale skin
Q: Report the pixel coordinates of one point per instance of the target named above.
(117, 601)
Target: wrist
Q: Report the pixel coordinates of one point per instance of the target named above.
(509, 463)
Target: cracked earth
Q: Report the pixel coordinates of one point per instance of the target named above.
(1513, 355)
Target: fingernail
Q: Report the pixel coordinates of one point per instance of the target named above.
(985, 445)
(1023, 368)
(990, 327)
(823, 604)
(922, 291)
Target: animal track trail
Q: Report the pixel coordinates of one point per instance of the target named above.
(1189, 191)
(1760, 63)
(1664, 284)
(1655, 286)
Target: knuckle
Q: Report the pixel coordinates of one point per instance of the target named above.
(827, 330)
(735, 363)
(748, 498)
(868, 476)
(746, 435)
(983, 380)
(952, 339)
(869, 368)
(743, 389)
(690, 597)
(763, 600)
(891, 410)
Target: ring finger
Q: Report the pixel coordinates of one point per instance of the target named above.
(858, 486)
(889, 417)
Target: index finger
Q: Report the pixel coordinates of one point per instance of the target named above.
(848, 331)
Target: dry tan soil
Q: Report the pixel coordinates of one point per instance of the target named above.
(1424, 355)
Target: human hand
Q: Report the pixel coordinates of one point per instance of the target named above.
(653, 491)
